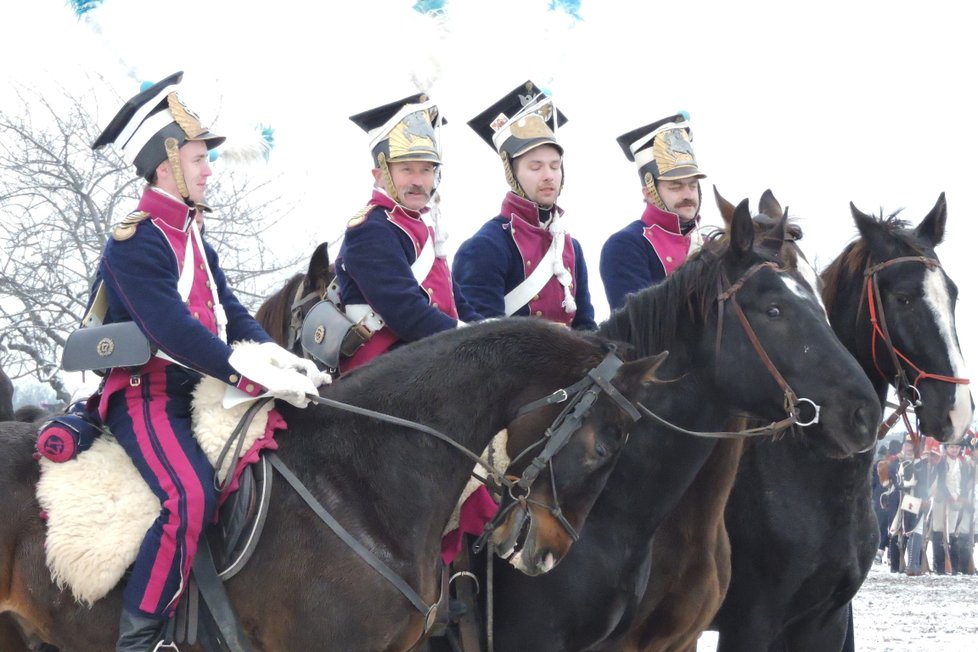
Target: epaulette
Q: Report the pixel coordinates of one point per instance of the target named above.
(359, 218)
(127, 227)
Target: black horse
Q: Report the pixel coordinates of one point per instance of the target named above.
(801, 524)
(591, 599)
(392, 487)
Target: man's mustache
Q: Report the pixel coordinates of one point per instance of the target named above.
(421, 190)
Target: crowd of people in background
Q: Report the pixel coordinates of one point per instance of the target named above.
(925, 494)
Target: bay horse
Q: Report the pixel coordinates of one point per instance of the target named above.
(392, 487)
(590, 601)
(281, 314)
(801, 524)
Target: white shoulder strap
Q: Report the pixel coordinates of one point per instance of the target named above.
(425, 260)
(531, 285)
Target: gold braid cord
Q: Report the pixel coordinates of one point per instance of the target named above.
(184, 117)
(127, 227)
(510, 177)
(386, 174)
(650, 186)
(173, 155)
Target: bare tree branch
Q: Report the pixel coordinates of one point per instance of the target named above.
(58, 202)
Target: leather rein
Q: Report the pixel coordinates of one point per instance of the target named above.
(907, 391)
(580, 398)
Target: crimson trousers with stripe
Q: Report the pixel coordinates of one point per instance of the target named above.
(152, 423)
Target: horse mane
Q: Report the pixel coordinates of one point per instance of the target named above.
(271, 315)
(651, 318)
(849, 265)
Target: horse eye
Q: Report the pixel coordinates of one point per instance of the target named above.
(600, 449)
(773, 312)
(903, 299)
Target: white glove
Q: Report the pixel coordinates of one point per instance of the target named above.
(287, 384)
(285, 359)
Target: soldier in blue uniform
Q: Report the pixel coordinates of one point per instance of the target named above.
(393, 279)
(652, 247)
(156, 271)
(523, 261)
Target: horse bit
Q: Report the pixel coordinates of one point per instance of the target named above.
(791, 400)
(907, 391)
(580, 398)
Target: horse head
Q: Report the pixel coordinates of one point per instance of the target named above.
(889, 293)
(282, 313)
(769, 303)
(541, 524)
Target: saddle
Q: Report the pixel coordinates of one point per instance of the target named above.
(205, 613)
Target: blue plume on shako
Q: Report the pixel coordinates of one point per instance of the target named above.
(82, 7)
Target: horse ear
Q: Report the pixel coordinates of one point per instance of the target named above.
(319, 274)
(932, 226)
(643, 371)
(741, 230)
(726, 208)
(867, 225)
(770, 206)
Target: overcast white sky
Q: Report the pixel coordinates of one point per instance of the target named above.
(825, 102)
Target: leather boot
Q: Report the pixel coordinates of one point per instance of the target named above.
(138, 633)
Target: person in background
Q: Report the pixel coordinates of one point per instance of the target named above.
(953, 522)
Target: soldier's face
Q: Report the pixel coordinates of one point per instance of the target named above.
(539, 174)
(196, 169)
(953, 450)
(681, 196)
(414, 181)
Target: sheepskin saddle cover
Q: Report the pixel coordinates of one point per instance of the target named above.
(99, 508)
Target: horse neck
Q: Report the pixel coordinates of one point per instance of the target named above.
(659, 464)
(405, 478)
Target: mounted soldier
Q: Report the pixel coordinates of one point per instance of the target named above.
(158, 273)
(392, 279)
(523, 261)
(652, 247)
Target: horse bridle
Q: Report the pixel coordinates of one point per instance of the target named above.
(791, 400)
(907, 391)
(580, 398)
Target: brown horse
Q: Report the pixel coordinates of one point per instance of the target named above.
(690, 570)
(392, 487)
(282, 313)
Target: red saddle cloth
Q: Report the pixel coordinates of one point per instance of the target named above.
(477, 510)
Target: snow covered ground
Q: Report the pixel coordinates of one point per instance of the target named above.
(896, 613)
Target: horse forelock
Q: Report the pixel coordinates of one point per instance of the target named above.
(850, 265)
